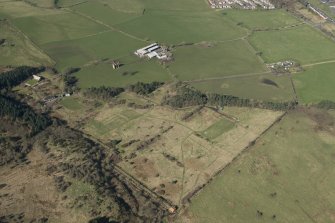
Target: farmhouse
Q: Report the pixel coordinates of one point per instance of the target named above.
(38, 78)
(115, 64)
(151, 51)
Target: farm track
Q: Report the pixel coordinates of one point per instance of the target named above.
(293, 88)
(318, 63)
(227, 77)
(184, 168)
(104, 24)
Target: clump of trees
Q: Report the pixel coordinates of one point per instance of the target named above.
(12, 150)
(94, 165)
(70, 80)
(22, 112)
(186, 96)
(144, 88)
(103, 93)
(56, 3)
(2, 41)
(326, 104)
(103, 219)
(61, 184)
(229, 100)
(14, 77)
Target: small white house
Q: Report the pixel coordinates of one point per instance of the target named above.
(38, 78)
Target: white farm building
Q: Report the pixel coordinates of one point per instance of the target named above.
(151, 51)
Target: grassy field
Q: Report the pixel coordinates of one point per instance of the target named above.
(42, 3)
(173, 27)
(217, 129)
(250, 87)
(16, 9)
(193, 149)
(71, 103)
(174, 5)
(81, 51)
(68, 3)
(80, 39)
(316, 83)
(302, 44)
(198, 147)
(18, 50)
(51, 28)
(130, 73)
(218, 60)
(256, 19)
(286, 175)
(104, 13)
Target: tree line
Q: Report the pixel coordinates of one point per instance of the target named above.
(105, 93)
(16, 76)
(144, 88)
(188, 96)
(229, 100)
(22, 112)
(185, 97)
(326, 104)
(70, 81)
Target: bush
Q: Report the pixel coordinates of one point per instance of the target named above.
(326, 104)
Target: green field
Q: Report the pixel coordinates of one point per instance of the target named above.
(302, 44)
(250, 87)
(103, 74)
(71, 103)
(201, 61)
(51, 28)
(18, 50)
(173, 27)
(316, 83)
(176, 5)
(78, 52)
(89, 32)
(260, 19)
(17, 9)
(217, 129)
(68, 3)
(42, 3)
(294, 162)
(104, 13)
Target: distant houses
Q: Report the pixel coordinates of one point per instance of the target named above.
(243, 4)
(152, 51)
